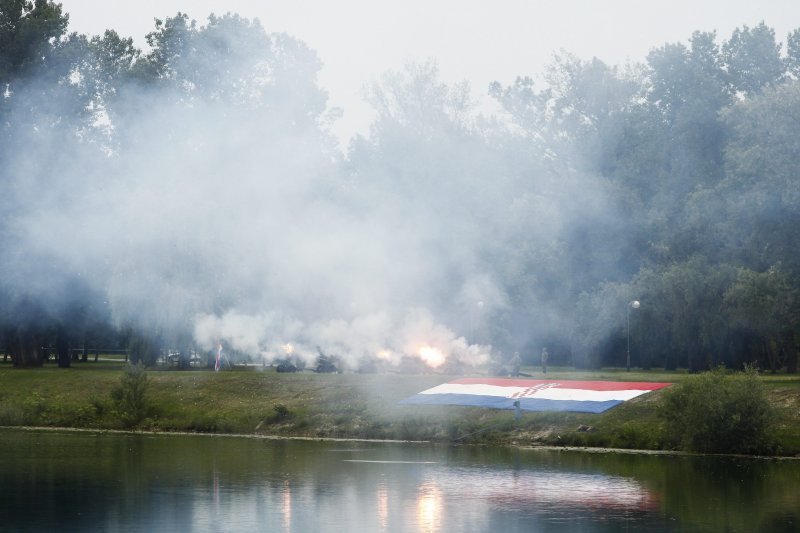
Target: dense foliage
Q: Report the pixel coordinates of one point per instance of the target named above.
(717, 412)
(130, 396)
(675, 182)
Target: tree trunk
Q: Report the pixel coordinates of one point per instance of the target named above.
(62, 350)
(772, 355)
(792, 353)
(25, 349)
(186, 356)
(793, 359)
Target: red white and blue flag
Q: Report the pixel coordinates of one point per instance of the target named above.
(534, 394)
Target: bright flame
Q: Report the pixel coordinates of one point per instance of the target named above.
(288, 348)
(384, 354)
(433, 357)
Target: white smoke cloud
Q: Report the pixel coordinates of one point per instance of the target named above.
(272, 337)
(240, 222)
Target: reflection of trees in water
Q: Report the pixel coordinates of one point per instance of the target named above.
(217, 482)
(737, 494)
(718, 492)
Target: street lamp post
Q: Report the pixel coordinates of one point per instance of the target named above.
(631, 305)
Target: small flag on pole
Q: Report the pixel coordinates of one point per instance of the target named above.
(534, 395)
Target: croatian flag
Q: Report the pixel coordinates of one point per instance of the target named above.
(534, 394)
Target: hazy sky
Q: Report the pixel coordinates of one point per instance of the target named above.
(479, 41)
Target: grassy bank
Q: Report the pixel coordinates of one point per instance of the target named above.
(251, 401)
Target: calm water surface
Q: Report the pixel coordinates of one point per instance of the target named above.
(85, 481)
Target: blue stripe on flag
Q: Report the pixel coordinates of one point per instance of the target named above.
(497, 402)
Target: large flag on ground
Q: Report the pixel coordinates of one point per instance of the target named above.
(534, 394)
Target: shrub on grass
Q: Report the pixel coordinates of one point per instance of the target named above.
(416, 428)
(99, 405)
(717, 412)
(281, 412)
(34, 408)
(130, 396)
(634, 435)
(11, 415)
(300, 424)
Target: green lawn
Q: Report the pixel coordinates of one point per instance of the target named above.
(256, 401)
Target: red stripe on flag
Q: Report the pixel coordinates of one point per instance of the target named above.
(565, 384)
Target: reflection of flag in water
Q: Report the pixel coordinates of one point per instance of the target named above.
(542, 489)
(533, 394)
(218, 362)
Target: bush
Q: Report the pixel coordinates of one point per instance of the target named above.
(34, 408)
(717, 412)
(416, 428)
(130, 398)
(281, 412)
(635, 435)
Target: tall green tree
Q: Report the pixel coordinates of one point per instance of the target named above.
(765, 307)
(29, 37)
(27, 31)
(752, 58)
(689, 89)
(763, 176)
(793, 54)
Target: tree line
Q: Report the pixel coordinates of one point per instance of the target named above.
(674, 182)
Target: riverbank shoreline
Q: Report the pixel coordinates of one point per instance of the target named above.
(345, 408)
(208, 435)
(546, 448)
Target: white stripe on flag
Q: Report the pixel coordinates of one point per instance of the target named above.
(550, 393)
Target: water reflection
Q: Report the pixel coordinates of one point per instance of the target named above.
(216, 489)
(429, 508)
(286, 506)
(383, 507)
(141, 483)
(574, 491)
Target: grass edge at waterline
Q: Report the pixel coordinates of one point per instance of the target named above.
(350, 406)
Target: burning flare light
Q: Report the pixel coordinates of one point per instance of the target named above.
(433, 357)
(390, 341)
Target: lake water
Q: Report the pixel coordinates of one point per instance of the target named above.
(84, 481)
